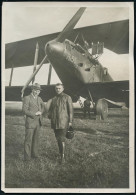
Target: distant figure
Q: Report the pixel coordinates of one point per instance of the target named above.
(33, 108)
(87, 107)
(61, 115)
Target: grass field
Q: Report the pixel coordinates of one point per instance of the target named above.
(97, 157)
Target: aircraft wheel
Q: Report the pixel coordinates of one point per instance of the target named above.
(102, 109)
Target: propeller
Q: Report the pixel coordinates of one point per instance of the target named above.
(32, 76)
(61, 37)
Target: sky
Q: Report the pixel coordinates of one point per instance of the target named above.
(27, 20)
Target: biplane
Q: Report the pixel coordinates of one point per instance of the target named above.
(74, 55)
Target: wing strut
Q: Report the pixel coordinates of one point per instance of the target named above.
(91, 97)
(11, 75)
(35, 59)
(49, 75)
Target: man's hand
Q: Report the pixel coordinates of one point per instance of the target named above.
(70, 124)
(38, 113)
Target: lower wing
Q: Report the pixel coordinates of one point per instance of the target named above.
(13, 93)
(117, 91)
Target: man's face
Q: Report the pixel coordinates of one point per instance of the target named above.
(59, 89)
(35, 92)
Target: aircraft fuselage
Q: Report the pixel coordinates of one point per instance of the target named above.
(74, 65)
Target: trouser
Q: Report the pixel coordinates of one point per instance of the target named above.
(31, 142)
(85, 111)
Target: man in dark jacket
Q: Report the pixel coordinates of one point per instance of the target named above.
(61, 115)
(33, 107)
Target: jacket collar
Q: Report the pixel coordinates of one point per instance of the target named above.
(33, 102)
(34, 96)
(61, 94)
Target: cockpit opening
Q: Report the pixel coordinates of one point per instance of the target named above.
(80, 49)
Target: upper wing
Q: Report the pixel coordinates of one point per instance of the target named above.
(115, 36)
(21, 53)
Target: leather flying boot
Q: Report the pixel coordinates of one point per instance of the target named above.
(62, 154)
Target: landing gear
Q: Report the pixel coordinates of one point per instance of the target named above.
(101, 109)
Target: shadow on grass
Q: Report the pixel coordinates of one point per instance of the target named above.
(87, 130)
(105, 132)
(118, 115)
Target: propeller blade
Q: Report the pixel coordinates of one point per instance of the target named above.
(33, 75)
(70, 25)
